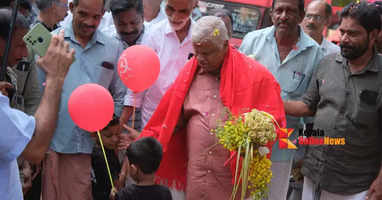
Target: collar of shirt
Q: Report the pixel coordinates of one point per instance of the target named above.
(372, 66)
(304, 42)
(98, 37)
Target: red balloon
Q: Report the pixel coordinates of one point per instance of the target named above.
(91, 107)
(138, 67)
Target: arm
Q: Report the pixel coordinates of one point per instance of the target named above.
(56, 64)
(297, 109)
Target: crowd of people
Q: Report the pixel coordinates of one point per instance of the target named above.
(289, 70)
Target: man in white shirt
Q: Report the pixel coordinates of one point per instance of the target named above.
(317, 16)
(171, 40)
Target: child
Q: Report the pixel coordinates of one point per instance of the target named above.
(144, 157)
(101, 183)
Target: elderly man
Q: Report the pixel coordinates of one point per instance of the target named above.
(345, 96)
(67, 166)
(171, 39)
(317, 17)
(217, 77)
(27, 135)
(291, 56)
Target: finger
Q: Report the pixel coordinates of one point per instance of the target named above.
(4, 85)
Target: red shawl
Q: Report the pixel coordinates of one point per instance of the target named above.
(245, 84)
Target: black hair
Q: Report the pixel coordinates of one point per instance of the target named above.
(26, 5)
(146, 154)
(366, 14)
(328, 9)
(76, 2)
(300, 5)
(118, 6)
(5, 22)
(114, 121)
(44, 4)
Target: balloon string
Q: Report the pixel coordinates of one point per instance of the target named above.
(107, 164)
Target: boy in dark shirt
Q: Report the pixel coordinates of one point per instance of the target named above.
(144, 157)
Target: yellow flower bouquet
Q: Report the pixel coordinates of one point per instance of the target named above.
(248, 135)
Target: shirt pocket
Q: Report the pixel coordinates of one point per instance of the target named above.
(291, 81)
(103, 76)
(367, 109)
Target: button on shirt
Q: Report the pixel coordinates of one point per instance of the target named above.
(347, 105)
(328, 47)
(172, 55)
(17, 129)
(96, 63)
(293, 73)
(207, 177)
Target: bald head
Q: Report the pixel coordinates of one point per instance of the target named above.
(317, 16)
(210, 29)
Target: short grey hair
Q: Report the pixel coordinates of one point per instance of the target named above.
(44, 4)
(210, 28)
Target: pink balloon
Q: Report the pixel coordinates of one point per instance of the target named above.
(91, 107)
(138, 67)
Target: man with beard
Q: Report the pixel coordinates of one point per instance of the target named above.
(67, 166)
(291, 55)
(171, 39)
(317, 16)
(345, 96)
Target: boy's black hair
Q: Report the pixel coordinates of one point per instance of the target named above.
(146, 154)
(113, 121)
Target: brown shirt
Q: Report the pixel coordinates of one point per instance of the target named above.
(350, 106)
(207, 177)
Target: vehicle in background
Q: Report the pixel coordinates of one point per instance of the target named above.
(249, 15)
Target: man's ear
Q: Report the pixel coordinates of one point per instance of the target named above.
(373, 36)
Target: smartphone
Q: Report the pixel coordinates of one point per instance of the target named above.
(38, 38)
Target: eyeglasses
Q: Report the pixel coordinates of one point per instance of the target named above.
(62, 5)
(314, 17)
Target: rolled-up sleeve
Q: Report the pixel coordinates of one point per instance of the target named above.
(134, 98)
(17, 129)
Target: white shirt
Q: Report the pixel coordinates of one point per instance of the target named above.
(172, 55)
(328, 47)
(160, 17)
(17, 129)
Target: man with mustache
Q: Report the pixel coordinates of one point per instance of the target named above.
(317, 16)
(171, 40)
(291, 56)
(67, 166)
(346, 98)
(129, 29)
